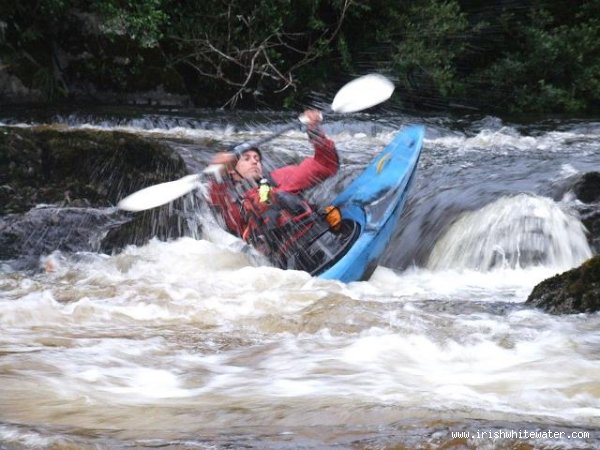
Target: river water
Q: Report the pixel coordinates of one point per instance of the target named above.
(195, 344)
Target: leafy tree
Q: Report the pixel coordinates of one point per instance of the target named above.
(38, 33)
(251, 49)
(534, 55)
(556, 66)
(30, 31)
(427, 42)
(141, 21)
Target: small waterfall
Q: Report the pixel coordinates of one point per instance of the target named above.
(512, 232)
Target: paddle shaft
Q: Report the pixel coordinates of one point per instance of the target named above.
(357, 95)
(214, 169)
(240, 148)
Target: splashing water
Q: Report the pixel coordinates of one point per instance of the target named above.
(192, 343)
(519, 231)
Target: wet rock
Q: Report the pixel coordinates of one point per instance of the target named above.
(575, 291)
(164, 223)
(587, 190)
(12, 89)
(85, 167)
(590, 217)
(43, 230)
(58, 190)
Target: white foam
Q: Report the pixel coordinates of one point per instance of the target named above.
(506, 140)
(502, 284)
(519, 231)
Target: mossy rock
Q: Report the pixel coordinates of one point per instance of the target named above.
(575, 291)
(81, 175)
(78, 168)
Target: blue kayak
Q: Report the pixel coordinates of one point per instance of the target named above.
(371, 207)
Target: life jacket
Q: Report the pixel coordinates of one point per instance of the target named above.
(279, 222)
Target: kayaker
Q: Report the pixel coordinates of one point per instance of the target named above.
(268, 210)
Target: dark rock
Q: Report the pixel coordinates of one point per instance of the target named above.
(575, 291)
(44, 230)
(587, 188)
(164, 223)
(590, 217)
(47, 165)
(58, 190)
(12, 89)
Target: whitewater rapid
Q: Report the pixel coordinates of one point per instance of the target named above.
(196, 342)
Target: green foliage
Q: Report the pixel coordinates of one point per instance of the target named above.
(555, 67)
(250, 49)
(531, 56)
(29, 32)
(45, 81)
(433, 37)
(345, 55)
(140, 20)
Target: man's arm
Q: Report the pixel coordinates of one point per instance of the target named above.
(221, 200)
(312, 170)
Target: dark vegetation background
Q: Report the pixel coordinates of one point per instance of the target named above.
(505, 56)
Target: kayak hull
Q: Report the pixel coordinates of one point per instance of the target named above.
(375, 201)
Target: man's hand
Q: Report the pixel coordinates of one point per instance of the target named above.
(311, 118)
(225, 159)
(221, 164)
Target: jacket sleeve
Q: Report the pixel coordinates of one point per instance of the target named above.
(312, 170)
(225, 206)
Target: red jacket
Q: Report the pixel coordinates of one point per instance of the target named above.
(229, 196)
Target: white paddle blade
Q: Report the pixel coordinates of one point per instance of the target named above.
(159, 194)
(362, 93)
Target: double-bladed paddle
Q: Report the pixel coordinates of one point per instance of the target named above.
(357, 95)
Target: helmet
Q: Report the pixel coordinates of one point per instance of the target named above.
(240, 149)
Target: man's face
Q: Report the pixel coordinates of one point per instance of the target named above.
(249, 166)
